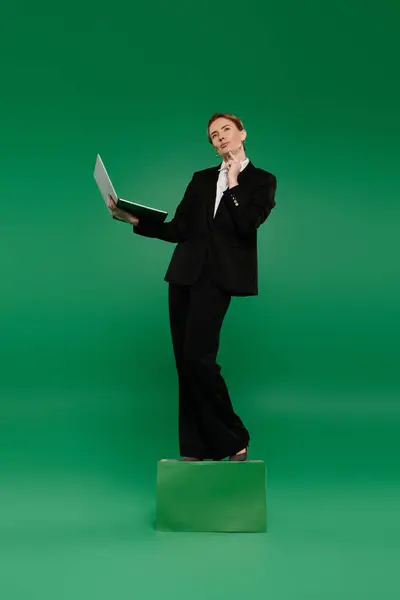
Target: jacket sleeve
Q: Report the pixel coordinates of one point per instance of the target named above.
(249, 209)
(175, 230)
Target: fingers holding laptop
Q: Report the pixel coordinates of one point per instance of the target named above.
(122, 214)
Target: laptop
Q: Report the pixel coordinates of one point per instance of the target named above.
(138, 210)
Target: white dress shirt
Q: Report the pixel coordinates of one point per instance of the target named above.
(222, 182)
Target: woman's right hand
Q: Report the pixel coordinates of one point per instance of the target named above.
(122, 214)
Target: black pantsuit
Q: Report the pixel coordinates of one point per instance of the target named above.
(208, 425)
(215, 259)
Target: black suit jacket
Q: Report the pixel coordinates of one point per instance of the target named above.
(229, 240)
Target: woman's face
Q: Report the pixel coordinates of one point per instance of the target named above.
(225, 136)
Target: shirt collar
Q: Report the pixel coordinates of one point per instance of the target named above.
(243, 164)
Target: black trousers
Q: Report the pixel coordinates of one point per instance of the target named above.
(208, 425)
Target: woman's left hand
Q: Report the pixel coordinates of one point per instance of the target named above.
(233, 165)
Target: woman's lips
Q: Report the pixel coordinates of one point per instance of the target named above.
(225, 144)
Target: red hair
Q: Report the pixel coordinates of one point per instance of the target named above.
(232, 118)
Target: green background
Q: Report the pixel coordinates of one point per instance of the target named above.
(88, 385)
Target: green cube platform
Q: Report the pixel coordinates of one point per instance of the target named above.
(211, 496)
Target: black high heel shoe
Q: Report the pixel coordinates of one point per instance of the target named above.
(238, 457)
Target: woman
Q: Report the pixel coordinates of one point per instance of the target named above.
(215, 229)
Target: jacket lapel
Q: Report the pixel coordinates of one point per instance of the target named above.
(244, 175)
(210, 188)
(210, 193)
